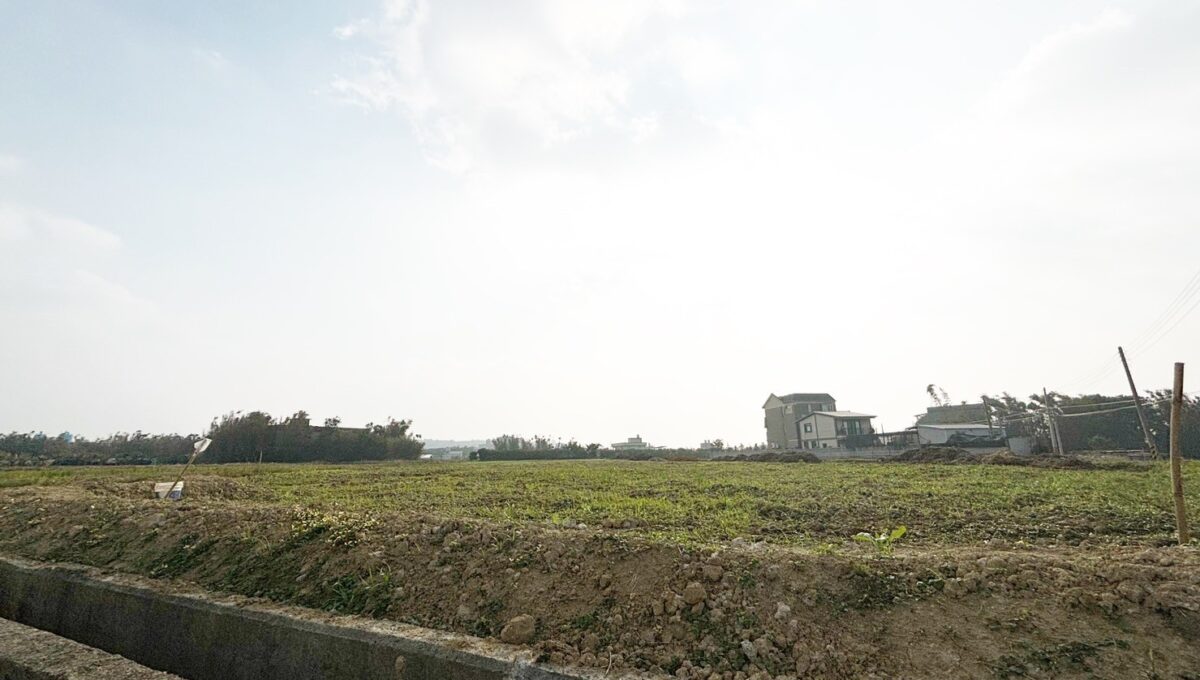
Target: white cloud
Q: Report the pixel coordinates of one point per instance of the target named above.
(643, 127)
(21, 223)
(85, 285)
(212, 59)
(50, 265)
(10, 165)
(702, 61)
(534, 76)
(603, 26)
(1110, 100)
(1055, 61)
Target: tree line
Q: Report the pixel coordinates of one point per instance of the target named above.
(137, 448)
(237, 437)
(513, 447)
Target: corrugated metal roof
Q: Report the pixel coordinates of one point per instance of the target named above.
(953, 413)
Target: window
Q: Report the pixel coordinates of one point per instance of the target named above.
(808, 427)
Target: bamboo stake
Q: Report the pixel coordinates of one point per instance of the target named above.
(198, 448)
(1181, 521)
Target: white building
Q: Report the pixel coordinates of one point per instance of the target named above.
(631, 444)
(831, 429)
(445, 454)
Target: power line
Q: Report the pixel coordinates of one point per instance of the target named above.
(1058, 410)
(1106, 403)
(1185, 301)
(1172, 327)
(1112, 410)
(1184, 296)
(1095, 413)
(1097, 373)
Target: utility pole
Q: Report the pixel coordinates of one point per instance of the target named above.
(1055, 442)
(1140, 411)
(1181, 521)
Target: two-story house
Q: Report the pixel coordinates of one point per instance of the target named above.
(835, 430)
(780, 416)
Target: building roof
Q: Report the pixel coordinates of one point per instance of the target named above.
(956, 426)
(799, 397)
(953, 414)
(839, 414)
(806, 397)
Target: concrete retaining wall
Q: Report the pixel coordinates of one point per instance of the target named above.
(201, 637)
(30, 654)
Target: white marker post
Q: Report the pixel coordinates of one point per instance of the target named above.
(175, 491)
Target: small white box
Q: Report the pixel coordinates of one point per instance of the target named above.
(164, 490)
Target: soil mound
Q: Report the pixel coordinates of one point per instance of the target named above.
(937, 454)
(957, 456)
(199, 487)
(774, 457)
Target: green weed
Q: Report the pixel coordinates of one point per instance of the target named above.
(885, 542)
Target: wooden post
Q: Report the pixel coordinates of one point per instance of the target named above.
(1181, 521)
(1140, 411)
(1055, 443)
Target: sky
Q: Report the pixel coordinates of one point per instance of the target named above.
(587, 220)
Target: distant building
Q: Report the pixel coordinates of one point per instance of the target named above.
(955, 414)
(781, 416)
(835, 430)
(446, 454)
(958, 425)
(631, 444)
(959, 434)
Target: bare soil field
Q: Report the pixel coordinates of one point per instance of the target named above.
(694, 570)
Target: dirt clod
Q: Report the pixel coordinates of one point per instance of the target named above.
(519, 630)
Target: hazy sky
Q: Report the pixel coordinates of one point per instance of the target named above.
(586, 219)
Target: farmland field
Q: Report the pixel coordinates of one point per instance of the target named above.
(675, 566)
(697, 503)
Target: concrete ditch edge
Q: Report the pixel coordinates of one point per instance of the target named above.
(203, 636)
(27, 653)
